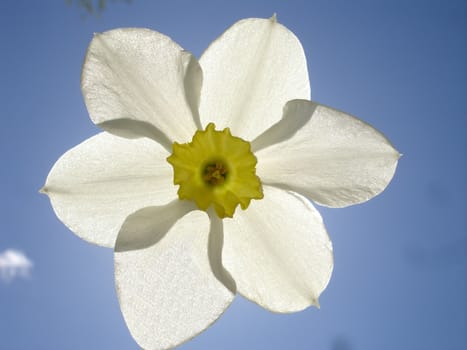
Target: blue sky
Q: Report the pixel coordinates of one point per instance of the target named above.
(400, 271)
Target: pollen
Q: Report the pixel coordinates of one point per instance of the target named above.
(215, 174)
(216, 169)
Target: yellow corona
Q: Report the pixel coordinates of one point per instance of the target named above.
(216, 169)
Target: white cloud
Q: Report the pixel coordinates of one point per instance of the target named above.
(13, 264)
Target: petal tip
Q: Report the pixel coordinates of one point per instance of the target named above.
(273, 18)
(315, 302)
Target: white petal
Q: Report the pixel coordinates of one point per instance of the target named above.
(278, 251)
(97, 184)
(334, 158)
(142, 75)
(167, 291)
(250, 72)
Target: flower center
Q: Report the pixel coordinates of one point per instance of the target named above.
(216, 169)
(215, 173)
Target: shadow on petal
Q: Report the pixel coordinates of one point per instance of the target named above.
(192, 83)
(296, 114)
(215, 245)
(148, 226)
(132, 129)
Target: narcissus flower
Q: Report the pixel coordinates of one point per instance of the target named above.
(202, 177)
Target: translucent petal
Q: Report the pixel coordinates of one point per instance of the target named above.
(142, 75)
(334, 158)
(168, 291)
(278, 251)
(250, 72)
(94, 186)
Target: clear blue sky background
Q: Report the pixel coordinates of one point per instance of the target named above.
(400, 278)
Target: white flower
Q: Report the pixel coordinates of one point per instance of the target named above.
(179, 258)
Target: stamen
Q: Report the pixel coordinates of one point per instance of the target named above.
(215, 173)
